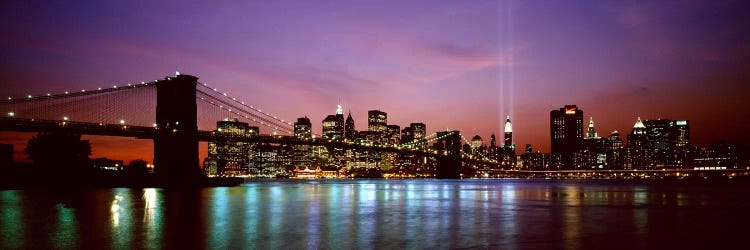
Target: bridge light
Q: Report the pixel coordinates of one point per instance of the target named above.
(11, 114)
(130, 84)
(114, 86)
(65, 118)
(30, 96)
(225, 94)
(66, 92)
(243, 103)
(98, 88)
(122, 121)
(48, 94)
(83, 90)
(215, 89)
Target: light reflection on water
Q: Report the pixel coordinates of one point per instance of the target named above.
(379, 214)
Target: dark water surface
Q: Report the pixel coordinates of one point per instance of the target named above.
(395, 214)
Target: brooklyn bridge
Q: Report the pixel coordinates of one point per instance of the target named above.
(178, 111)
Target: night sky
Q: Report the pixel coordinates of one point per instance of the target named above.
(461, 65)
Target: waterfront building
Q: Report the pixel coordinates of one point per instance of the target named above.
(230, 158)
(637, 156)
(591, 133)
(303, 128)
(595, 150)
(302, 131)
(333, 125)
(476, 144)
(377, 122)
(566, 132)
(614, 150)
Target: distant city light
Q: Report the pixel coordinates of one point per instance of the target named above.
(11, 114)
(122, 121)
(65, 118)
(177, 73)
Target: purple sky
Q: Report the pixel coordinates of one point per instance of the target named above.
(455, 64)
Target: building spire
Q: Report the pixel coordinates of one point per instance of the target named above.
(639, 123)
(592, 131)
(508, 125)
(339, 110)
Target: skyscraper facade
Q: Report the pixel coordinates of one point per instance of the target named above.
(230, 158)
(637, 156)
(377, 122)
(333, 125)
(349, 130)
(566, 130)
(303, 128)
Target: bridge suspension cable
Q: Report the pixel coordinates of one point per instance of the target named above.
(242, 104)
(234, 109)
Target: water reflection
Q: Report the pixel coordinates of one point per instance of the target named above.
(374, 214)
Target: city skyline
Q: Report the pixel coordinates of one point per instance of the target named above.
(486, 61)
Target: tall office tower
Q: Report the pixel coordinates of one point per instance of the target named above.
(508, 143)
(303, 128)
(566, 129)
(333, 125)
(591, 133)
(377, 122)
(393, 134)
(679, 134)
(566, 125)
(493, 141)
(303, 131)
(420, 131)
(476, 143)
(614, 150)
(657, 132)
(407, 135)
(229, 158)
(349, 131)
(637, 147)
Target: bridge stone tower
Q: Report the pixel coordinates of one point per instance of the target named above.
(176, 142)
(449, 165)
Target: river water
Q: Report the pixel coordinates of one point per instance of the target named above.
(391, 214)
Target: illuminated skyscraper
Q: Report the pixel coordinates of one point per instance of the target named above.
(303, 128)
(566, 132)
(333, 125)
(230, 158)
(377, 122)
(592, 131)
(637, 157)
(476, 143)
(679, 134)
(393, 134)
(508, 143)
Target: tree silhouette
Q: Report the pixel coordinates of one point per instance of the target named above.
(58, 152)
(137, 167)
